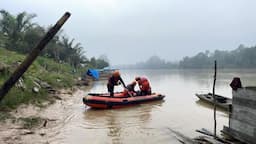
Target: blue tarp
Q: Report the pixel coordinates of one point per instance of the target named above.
(94, 73)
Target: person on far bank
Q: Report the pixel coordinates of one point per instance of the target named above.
(114, 80)
(144, 86)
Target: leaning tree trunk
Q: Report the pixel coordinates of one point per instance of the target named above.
(32, 56)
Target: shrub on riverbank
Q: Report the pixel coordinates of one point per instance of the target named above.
(42, 76)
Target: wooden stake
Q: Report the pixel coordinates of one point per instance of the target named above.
(32, 56)
(213, 92)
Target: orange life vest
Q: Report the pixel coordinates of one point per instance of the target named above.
(144, 84)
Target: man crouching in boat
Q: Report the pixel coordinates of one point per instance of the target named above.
(144, 85)
(114, 80)
(129, 90)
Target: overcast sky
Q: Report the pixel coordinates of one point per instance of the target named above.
(130, 31)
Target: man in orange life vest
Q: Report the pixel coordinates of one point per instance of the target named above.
(144, 85)
(113, 80)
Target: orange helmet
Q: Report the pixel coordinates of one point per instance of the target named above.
(116, 73)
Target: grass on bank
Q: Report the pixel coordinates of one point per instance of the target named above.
(47, 70)
(31, 122)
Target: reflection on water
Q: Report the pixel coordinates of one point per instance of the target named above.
(150, 123)
(210, 106)
(122, 123)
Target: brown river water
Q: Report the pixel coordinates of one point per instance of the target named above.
(152, 123)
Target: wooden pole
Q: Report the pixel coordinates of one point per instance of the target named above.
(32, 56)
(213, 92)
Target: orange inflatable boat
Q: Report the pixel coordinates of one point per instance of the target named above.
(104, 101)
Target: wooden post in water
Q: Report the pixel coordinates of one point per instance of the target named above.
(32, 56)
(213, 93)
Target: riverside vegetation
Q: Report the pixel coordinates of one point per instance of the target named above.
(37, 86)
(44, 73)
(58, 67)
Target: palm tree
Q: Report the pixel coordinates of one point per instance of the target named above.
(14, 28)
(72, 53)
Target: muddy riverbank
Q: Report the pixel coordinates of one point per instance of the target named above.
(30, 124)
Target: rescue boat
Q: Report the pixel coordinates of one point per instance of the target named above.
(104, 101)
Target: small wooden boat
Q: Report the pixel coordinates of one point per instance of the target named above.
(104, 101)
(221, 101)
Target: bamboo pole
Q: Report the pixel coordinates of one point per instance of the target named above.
(32, 56)
(213, 92)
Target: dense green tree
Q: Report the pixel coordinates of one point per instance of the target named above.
(93, 62)
(19, 33)
(72, 52)
(31, 37)
(242, 57)
(14, 28)
(99, 63)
